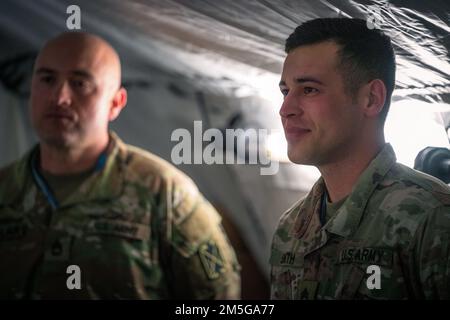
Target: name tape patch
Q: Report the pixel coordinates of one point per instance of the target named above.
(366, 255)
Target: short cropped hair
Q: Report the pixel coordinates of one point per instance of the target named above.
(364, 54)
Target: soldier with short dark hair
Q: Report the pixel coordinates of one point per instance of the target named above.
(132, 225)
(370, 228)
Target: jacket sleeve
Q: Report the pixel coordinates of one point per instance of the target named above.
(432, 255)
(201, 264)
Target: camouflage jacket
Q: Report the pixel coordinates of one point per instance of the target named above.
(395, 219)
(136, 229)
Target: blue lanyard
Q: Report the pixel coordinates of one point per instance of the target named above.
(40, 181)
(101, 161)
(44, 187)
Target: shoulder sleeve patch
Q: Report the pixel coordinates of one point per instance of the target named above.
(196, 228)
(211, 259)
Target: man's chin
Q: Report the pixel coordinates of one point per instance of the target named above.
(61, 141)
(300, 157)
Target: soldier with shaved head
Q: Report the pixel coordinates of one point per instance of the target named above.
(84, 215)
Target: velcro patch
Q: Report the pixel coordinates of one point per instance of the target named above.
(288, 258)
(366, 255)
(211, 259)
(307, 290)
(12, 231)
(125, 229)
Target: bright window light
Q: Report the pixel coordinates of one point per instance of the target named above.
(413, 125)
(276, 146)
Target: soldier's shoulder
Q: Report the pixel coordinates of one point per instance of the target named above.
(405, 200)
(424, 205)
(142, 165)
(6, 177)
(12, 177)
(6, 171)
(418, 187)
(288, 217)
(14, 168)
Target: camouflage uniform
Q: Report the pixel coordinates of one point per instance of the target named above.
(138, 229)
(395, 218)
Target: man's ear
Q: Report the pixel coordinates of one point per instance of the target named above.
(376, 97)
(118, 103)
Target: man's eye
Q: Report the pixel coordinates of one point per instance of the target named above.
(47, 79)
(309, 90)
(284, 92)
(81, 85)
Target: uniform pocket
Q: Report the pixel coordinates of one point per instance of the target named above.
(116, 259)
(120, 242)
(20, 248)
(353, 278)
(287, 269)
(384, 275)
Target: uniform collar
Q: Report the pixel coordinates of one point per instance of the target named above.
(106, 183)
(103, 184)
(348, 217)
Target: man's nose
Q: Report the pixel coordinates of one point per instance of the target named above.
(290, 106)
(63, 95)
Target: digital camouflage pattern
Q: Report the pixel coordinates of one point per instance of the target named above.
(395, 218)
(138, 229)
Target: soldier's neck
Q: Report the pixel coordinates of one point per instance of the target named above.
(340, 177)
(59, 161)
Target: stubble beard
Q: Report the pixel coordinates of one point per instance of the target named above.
(61, 140)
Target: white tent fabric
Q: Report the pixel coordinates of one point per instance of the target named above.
(188, 37)
(216, 61)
